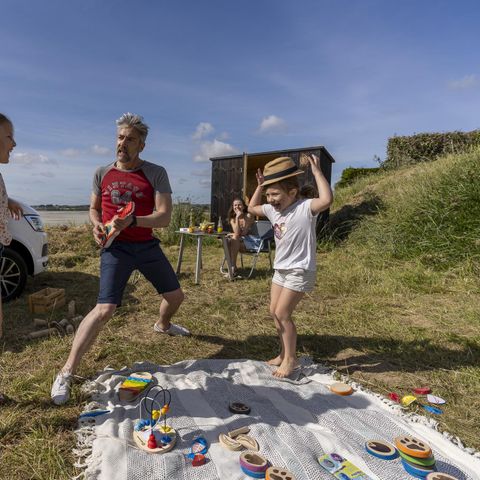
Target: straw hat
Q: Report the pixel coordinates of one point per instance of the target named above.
(279, 169)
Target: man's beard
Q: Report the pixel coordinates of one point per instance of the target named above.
(125, 158)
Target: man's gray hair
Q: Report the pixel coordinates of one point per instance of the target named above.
(135, 121)
(4, 119)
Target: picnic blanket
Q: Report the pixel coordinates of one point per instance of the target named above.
(294, 423)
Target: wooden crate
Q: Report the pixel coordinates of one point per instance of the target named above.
(46, 300)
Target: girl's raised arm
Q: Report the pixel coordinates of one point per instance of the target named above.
(325, 195)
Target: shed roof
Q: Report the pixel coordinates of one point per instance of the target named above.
(270, 152)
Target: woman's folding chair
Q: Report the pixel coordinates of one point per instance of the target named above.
(257, 242)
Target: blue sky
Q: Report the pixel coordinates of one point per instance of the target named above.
(217, 77)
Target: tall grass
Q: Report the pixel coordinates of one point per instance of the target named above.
(434, 217)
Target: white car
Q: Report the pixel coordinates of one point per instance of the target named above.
(26, 255)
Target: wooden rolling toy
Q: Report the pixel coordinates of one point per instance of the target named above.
(413, 446)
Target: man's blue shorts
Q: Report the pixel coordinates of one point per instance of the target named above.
(118, 261)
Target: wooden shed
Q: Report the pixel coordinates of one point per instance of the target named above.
(235, 176)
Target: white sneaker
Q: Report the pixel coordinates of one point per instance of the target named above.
(61, 388)
(174, 330)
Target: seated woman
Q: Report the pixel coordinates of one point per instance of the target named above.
(240, 222)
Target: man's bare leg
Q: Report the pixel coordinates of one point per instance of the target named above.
(87, 333)
(170, 304)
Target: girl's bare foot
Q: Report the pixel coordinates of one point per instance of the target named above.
(286, 368)
(276, 362)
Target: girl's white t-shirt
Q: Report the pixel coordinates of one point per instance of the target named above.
(295, 236)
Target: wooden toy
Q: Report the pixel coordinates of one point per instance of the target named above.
(46, 300)
(395, 397)
(417, 470)
(149, 433)
(253, 464)
(341, 468)
(440, 476)
(435, 400)
(408, 400)
(110, 232)
(240, 408)
(275, 473)
(248, 442)
(229, 443)
(134, 385)
(435, 410)
(381, 449)
(426, 462)
(422, 390)
(341, 388)
(413, 446)
(198, 460)
(238, 431)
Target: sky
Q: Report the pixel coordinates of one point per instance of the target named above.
(220, 77)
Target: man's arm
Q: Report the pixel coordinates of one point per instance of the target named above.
(160, 217)
(95, 214)
(255, 205)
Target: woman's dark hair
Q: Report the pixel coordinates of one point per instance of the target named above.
(231, 213)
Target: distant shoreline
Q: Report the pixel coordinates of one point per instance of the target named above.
(61, 208)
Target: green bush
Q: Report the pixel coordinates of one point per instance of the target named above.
(425, 147)
(350, 174)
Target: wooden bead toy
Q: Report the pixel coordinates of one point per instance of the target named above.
(150, 434)
(413, 446)
(341, 388)
(275, 473)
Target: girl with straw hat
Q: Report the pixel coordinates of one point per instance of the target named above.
(294, 223)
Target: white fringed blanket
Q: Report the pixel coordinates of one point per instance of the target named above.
(293, 422)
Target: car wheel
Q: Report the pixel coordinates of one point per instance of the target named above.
(13, 274)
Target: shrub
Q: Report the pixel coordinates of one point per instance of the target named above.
(350, 174)
(425, 147)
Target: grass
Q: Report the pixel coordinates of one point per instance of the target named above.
(397, 306)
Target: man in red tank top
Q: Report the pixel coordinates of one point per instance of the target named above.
(128, 179)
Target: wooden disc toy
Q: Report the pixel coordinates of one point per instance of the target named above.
(248, 442)
(134, 385)
(426, 462)
(440, 476)
(408, 400)
(240, 408)
(381, 449)
(229, 443)
(275, 473)
(413, 446)
(238, 431)
(341, 388)
(417, 470)
(253, 462)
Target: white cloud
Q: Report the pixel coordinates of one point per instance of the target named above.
(272, 123)
(203, 129)
(204, 183)
(71, 152)
(216, 148)
(99, 150)
(30, 159)
(468, 81)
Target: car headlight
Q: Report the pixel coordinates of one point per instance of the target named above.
(35, 222)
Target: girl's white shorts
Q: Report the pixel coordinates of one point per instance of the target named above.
(296, 279)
